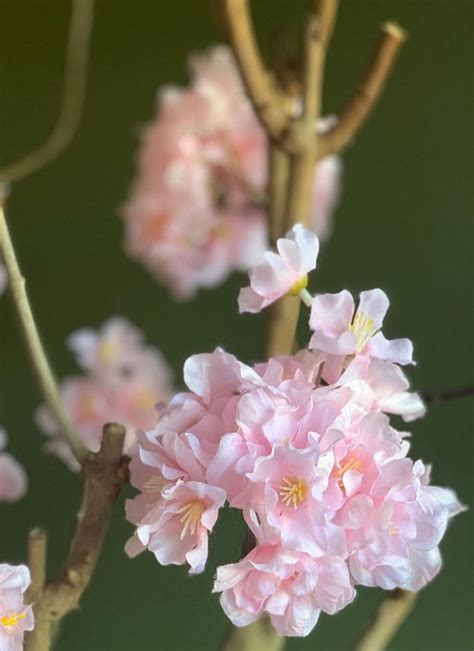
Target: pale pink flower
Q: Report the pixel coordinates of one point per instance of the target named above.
(197, 207)
(15, 616)
(13, 479)
(124, 381)
(291, 587)
(396, 544)
(176, 529)
(285, 272)
(341, 329)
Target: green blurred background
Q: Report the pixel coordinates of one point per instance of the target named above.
(404, 224)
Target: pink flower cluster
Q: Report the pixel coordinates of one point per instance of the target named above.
(13, 479)
(303, 446)
(15, 617)
(197, 208)
(124, 381)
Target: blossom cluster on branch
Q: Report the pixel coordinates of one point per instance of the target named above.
(302, 444)
(197, 209)
(124, 380)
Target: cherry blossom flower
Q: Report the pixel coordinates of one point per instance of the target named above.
(282, 273)
(291, 587)
(15, 617)
(13, 479)
(124, 380)
(322, 478)
(197, 206)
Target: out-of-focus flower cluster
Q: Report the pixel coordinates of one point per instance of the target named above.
(15, 617)
(13, 479)
(124, 381)
(197, 209)
(303, 446)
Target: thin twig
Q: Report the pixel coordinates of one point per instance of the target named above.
(36, 351)
(279, 169)
(37, 544)
(105, 473)
(390, 615)
(362, 102)
(75, 77)
(265, 97)
(435, 397)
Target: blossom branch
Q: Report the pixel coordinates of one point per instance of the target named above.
(390, 615)
(105, 473)
(35, 348)
(362, 102)
(37, 545)
(265, 97)
(435, 397)
(75, 77)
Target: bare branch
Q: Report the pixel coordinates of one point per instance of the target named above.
(435, 397)
(265, 97)
(390, 615)
(365, 97)
(37, 544)
(35, 348)
(75, 77)
(105, 473)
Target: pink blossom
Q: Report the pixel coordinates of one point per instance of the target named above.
(291, 587)
(341, 329)
(15, 617)
(282, 273)
(176, 529)
(322, 479)
(124, 381)
(13, 479)
(396, 545)
(197, 207)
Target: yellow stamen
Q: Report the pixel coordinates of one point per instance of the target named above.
(11, 620)
(108, 352)
(363, 329)
(298, 286)
(192, 512)
(393, 531)
(350, 464)
(293, 492)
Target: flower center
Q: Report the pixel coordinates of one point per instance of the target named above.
(191, 517)
(11, 620)
(363, 329)
(350, 464)
(108, 352)
(393, 531)
(293, 491)
(299, 286)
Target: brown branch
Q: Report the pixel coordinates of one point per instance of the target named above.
(105, 473)
(75, 77)
(363, 101)
(37, 544)
(279, 169)
(35, 348)
(388, 618)
(265, 97)
(435, 397)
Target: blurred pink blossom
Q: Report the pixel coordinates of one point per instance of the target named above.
(197, 206)
(13, 479)
(124, 381)
(15, 617)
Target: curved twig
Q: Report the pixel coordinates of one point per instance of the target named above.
(366, 95)
(435, 397)
(35, 348)
(75, 76)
